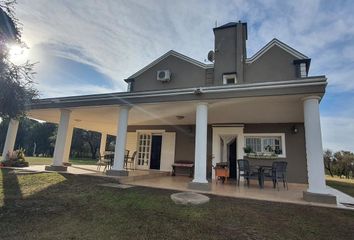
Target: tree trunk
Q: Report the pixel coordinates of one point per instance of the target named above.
(93, 150)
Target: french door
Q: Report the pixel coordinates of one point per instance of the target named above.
(144, 150)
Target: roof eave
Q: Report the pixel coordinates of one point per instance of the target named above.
(318, 83)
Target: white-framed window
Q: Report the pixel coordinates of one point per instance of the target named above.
(229, 78)
(130, 87)
(303, 72)
(272, 143)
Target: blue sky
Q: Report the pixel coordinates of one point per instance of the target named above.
(88, 46)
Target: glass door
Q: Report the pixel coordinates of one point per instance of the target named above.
(144, 151)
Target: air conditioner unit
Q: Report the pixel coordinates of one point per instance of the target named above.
(164, 75)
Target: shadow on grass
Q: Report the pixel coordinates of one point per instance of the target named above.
(11, 187)
(74, 207)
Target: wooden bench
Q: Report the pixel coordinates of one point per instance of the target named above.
(183, 164)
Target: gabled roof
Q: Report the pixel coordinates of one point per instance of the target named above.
(276, 42)
(175, 54)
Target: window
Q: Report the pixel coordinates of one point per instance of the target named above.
(266, 143)
(130, 87)
(229, 78)
(303, 72)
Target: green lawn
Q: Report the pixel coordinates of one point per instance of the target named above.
(63, 206)
(344, 185)
(48, 161)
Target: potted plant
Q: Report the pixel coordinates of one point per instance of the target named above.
(15, 159)
(247, 150)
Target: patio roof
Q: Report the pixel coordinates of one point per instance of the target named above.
(279, 109)
(311, 85)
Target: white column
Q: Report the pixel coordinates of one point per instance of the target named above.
(10, 138)
(62, 143)
(121, 139)
(68, 140)
(200, 164)
(314, 150)
(103, 143)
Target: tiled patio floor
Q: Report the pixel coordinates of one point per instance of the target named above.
(158, 179)
(268, 193)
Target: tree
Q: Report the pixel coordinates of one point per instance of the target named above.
(344, 163)
(35, 137)
(328, 161)
(85, 143)
(16, 81)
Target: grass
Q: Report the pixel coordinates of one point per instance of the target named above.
(48, 161)
(342, 184)
(63, 206)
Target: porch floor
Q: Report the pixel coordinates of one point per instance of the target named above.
(157, 179)
(230, 189)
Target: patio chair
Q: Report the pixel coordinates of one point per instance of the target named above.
(277, 173)
(131, 161)
(126, 155)
(245, 170)
(101, 161)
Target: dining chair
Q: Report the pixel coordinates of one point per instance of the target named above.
(245, 170)
(278, 172)
(131, 161)
(101, 162)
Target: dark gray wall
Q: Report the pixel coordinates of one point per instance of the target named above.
(295, 148)
(274, 65)
(295, 145)
(225, 53)
(230, 54)
(183, 75)
(230, 51)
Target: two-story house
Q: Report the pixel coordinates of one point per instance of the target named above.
(179, 109)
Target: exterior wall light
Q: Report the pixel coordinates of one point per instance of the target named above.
(197, 91)
(294, 129)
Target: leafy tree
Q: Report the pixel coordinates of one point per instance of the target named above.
(85, 143)
(328, 161)
(344, 163)
(111, 142)
(16, 81)
(35, 137)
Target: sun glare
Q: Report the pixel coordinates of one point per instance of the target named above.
(18, 54)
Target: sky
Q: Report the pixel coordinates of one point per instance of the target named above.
(85, 47)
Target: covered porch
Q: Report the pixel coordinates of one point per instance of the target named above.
(202, 123)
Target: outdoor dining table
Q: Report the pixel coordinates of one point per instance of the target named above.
(261, 169)
(109, 159)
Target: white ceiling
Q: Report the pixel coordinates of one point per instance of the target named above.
(240, 110)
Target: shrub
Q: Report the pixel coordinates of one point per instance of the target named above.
(15, 159)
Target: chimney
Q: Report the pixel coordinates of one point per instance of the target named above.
(230, 52)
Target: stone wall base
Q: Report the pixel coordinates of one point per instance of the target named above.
(56, 168)
(117, 173)
(319, 197)
(199, 186)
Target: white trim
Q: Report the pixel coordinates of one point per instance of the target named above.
(227, 76)
(152, 131)
(175, 54)
(168, 147)
(185, 91)
(218, 131)
(276, 42)
(282, 135)
(303, 72)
